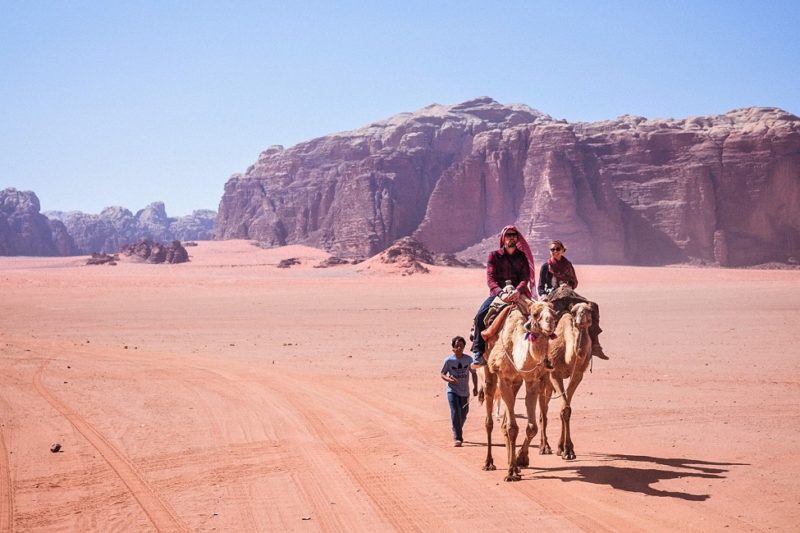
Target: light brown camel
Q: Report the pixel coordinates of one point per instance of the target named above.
(516, 358)
(570, 354)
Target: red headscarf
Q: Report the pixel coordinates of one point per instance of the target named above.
(523, 247)
(563, 270)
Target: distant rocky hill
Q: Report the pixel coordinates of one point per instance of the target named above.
(722, 189)
(116, 227)
(26, 231)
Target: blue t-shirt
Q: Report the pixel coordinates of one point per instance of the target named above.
(458, 367)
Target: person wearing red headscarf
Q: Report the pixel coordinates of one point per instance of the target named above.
(511, 263)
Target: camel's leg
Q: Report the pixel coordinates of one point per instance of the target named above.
(481, 373)
(545, 391)
(532, 389)
(490, 384)
(566, 414)
(558, 385)
(508, 391)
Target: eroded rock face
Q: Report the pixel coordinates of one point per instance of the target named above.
(722, 189)
(25, 231)
(116, 226)
(199, 226)
(157, 252)
(357, 192)
(407, 255)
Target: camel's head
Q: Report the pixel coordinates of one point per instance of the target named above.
(581, 315)
(543, 318)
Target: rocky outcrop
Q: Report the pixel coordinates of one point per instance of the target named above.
(25, 231)
(62, 240)
(116, 227)
(199, 226)
(406, 256)
(103, 259)
(357, 192)
(156, 252)
(722, 189)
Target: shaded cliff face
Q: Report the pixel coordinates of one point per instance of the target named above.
(355, 193)
(25, 231)
(722, 189)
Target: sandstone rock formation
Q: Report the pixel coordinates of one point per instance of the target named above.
(116, 226)
(722, 189)
(62, 240)
(198, 226)
(25, 231)
(156, 252)
(406, 256)
(332, 261)
(103, 259)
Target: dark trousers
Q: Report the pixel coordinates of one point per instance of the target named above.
(459, 408)
(563, 300)
(478, 344)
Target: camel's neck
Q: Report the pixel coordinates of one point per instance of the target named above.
(581, 336)
(530, 352)
(537, 346)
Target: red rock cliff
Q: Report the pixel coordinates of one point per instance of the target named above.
(721, 189)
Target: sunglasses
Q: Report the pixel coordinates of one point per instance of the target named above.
(555, 249)
(512, 234)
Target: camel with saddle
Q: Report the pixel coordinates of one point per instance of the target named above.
(517, 346)
(570, 354)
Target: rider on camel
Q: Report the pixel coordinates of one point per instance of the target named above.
(512, 262)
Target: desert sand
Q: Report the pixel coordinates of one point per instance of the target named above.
(227, 394)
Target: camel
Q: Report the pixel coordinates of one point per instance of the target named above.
(516, 356)
(570, 354)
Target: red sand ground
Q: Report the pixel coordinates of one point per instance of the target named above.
(226, 394)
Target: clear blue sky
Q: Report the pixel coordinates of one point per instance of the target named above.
(124, 103)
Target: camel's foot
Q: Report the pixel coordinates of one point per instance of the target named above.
(523, 460)
(568, 454)
(545, 449)
(488, 466)
(513, 477)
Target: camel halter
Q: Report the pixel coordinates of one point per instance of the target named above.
(531, 338)
(591, 357)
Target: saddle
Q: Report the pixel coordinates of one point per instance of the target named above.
(495, 308)
(563, 298)
(496, 316)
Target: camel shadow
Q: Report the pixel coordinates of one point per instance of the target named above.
(640, 479)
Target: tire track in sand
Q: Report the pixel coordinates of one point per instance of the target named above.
(160, 514)
(6, 483)
(311, 469)
(312, 466)
(578, 513)
(6, 488)
(236, 492)
(379, 493)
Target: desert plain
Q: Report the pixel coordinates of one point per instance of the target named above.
(226, 394)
